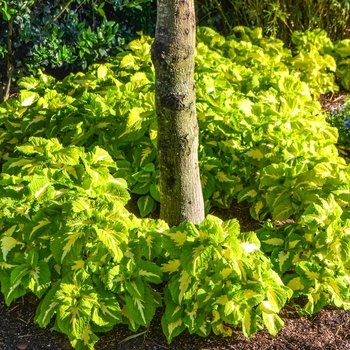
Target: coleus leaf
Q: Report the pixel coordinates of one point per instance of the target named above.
(142, 309)
(195, 257)
(142, 188)
(210, 231)
(13, 291)
(67, 245)
(272, 322)
(154, 190)
(316, 301)
(271, 240)
(249, 321)
(27, 98)
(145, 153)
(85, 341)
(149, 271)
(194, 317)
(112, 238)
(106, 312)
(146, 205)
(230, 310)
(47, 308)
(76, 302)
(248, 193)
(172, 319)
(282, 259)
(175, 238)
(208, 185)
(135, 287)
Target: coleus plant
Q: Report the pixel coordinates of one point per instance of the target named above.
(66, 233)
(218, 276)
(313, 255)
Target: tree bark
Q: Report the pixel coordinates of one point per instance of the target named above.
(173, 58)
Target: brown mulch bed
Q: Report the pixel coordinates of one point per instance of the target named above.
(327, 330)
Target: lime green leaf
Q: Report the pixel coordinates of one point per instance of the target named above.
(102, 72)
(127, 61)
(208, 185)
(294, 282)
(135, 287)
(86, 340)
(195, 257)
(171, 266)
(112, 239)
(107, 311)
(249, 323)
(180, 286)
(247, 193)
(27, 98)
(271, 240)
(7, 244)
(68, 245)
(272, 322)
(12, 291)
(230, 311)
(154, 190)
(255, 153)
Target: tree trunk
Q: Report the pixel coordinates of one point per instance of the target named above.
(173, 59)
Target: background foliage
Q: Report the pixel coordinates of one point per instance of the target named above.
(277, 18)
(65, 36)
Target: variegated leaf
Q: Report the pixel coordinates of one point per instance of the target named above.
(272, 322)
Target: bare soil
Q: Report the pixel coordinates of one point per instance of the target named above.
(327, 330)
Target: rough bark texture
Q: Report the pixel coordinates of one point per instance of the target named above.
(173, 59)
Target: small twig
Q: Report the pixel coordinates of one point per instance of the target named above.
(15, 307)
(9, 65)
(25, 336)
(132, 337)
(21, 319)
(338, 329)
(60, 13)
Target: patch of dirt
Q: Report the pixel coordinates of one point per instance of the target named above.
(333, 100)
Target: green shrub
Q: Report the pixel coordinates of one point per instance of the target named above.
(66, 36)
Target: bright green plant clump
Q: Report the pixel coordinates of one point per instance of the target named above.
(72, 151)
(219, 276)
(263, 136)
(313, 255)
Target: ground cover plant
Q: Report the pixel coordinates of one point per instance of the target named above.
(72, 151)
